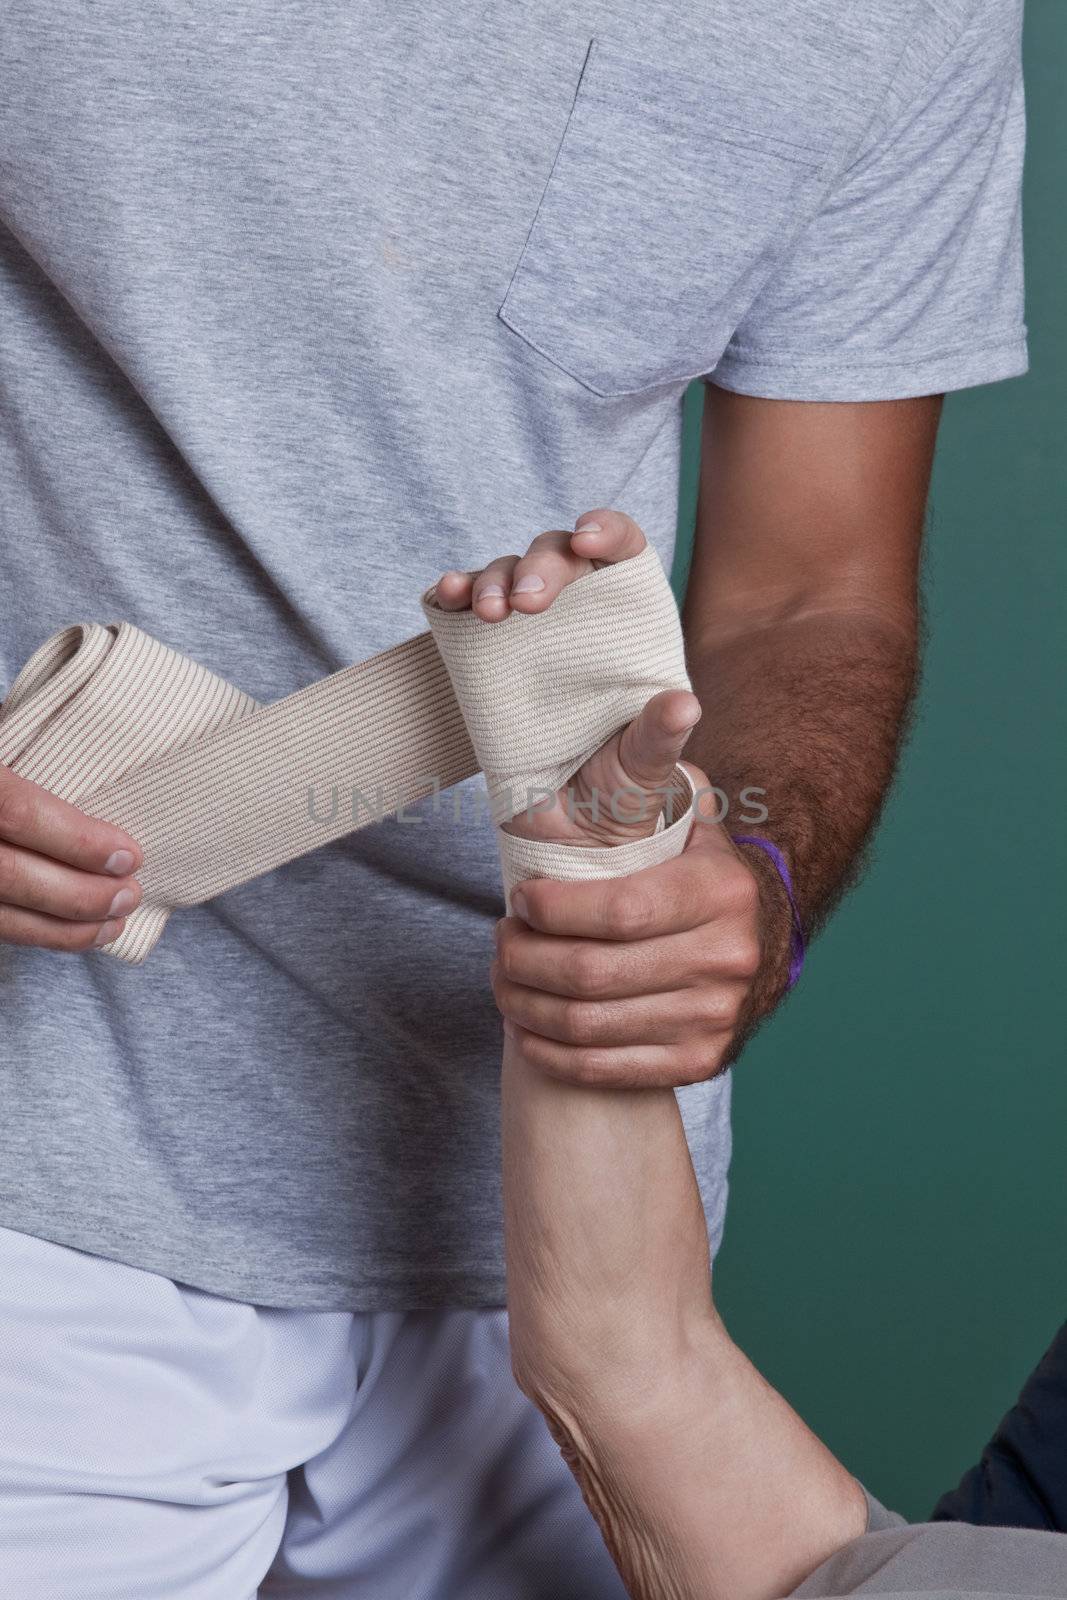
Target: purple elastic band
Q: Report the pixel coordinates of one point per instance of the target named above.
(796, 933)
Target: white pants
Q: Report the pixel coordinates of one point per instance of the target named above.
(160, 1443)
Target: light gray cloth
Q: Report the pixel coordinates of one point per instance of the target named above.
(942, 1561)
(302, 305)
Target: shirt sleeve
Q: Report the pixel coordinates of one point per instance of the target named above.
(901, 1562)
(909, 281)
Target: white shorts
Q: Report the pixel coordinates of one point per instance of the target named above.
(160, 1443)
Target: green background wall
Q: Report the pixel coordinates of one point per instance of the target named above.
(896, 1249)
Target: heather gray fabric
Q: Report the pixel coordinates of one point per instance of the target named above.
(299, 307)
(942, 1561)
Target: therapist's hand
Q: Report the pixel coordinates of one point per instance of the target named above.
(634, 982)
(65, 879)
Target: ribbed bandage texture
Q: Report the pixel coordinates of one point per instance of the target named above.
(522, 859)
(541, 693)
(218, 789)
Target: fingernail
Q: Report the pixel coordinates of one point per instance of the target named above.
(108, 932)
(519, 906)
(119, 863)
(588, 527)
(531, 584)
(124, 901)
(492, 591)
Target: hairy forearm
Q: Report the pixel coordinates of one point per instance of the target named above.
(804, 715)
(704, 1482)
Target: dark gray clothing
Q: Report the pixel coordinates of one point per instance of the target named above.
(942, 1561)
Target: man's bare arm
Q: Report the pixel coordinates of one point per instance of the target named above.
(801, 628)
(801, 623)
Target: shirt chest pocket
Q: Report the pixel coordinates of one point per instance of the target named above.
(661, 219)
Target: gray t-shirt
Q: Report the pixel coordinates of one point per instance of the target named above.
(942, 1561)
(301, 305)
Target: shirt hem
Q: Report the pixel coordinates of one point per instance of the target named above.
(403, 1289)
(871, 380)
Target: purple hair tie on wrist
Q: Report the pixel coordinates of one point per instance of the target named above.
(796, 932)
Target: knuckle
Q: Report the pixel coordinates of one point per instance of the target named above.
(509, 1002)
(84, 839)
(691, 1067)
(547, 902)
(553, 542)
(14, 807)
(730, 1010)
(720, 1009)
(580, 1021)
(86, 903)
(536, 896)
(534, 1050)
(9, 872)
(629, 915)
(745, 958)
(494, 568)
(78, 937)
(542, 541)
(586, 1067)
(509, 959)
(587, 972)
(743, 891)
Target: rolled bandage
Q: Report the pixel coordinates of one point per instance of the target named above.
(219, 790)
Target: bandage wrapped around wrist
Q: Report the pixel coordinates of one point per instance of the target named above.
(219, 790)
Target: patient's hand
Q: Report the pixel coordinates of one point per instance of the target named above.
(620, 792)
(642, 980)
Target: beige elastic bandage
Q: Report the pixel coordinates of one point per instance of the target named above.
(218, 789)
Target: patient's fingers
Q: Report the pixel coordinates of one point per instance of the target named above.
(607, 535)
(485, 592)
(546, 568)
(491, 589)
(555, 559)
(531, 582)
(452, 591)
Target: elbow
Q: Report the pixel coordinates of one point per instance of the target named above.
(547, 1361)
(891, 624)
(572, 1371)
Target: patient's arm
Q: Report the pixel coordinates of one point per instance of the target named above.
(703, 1480)
(705, 1483)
